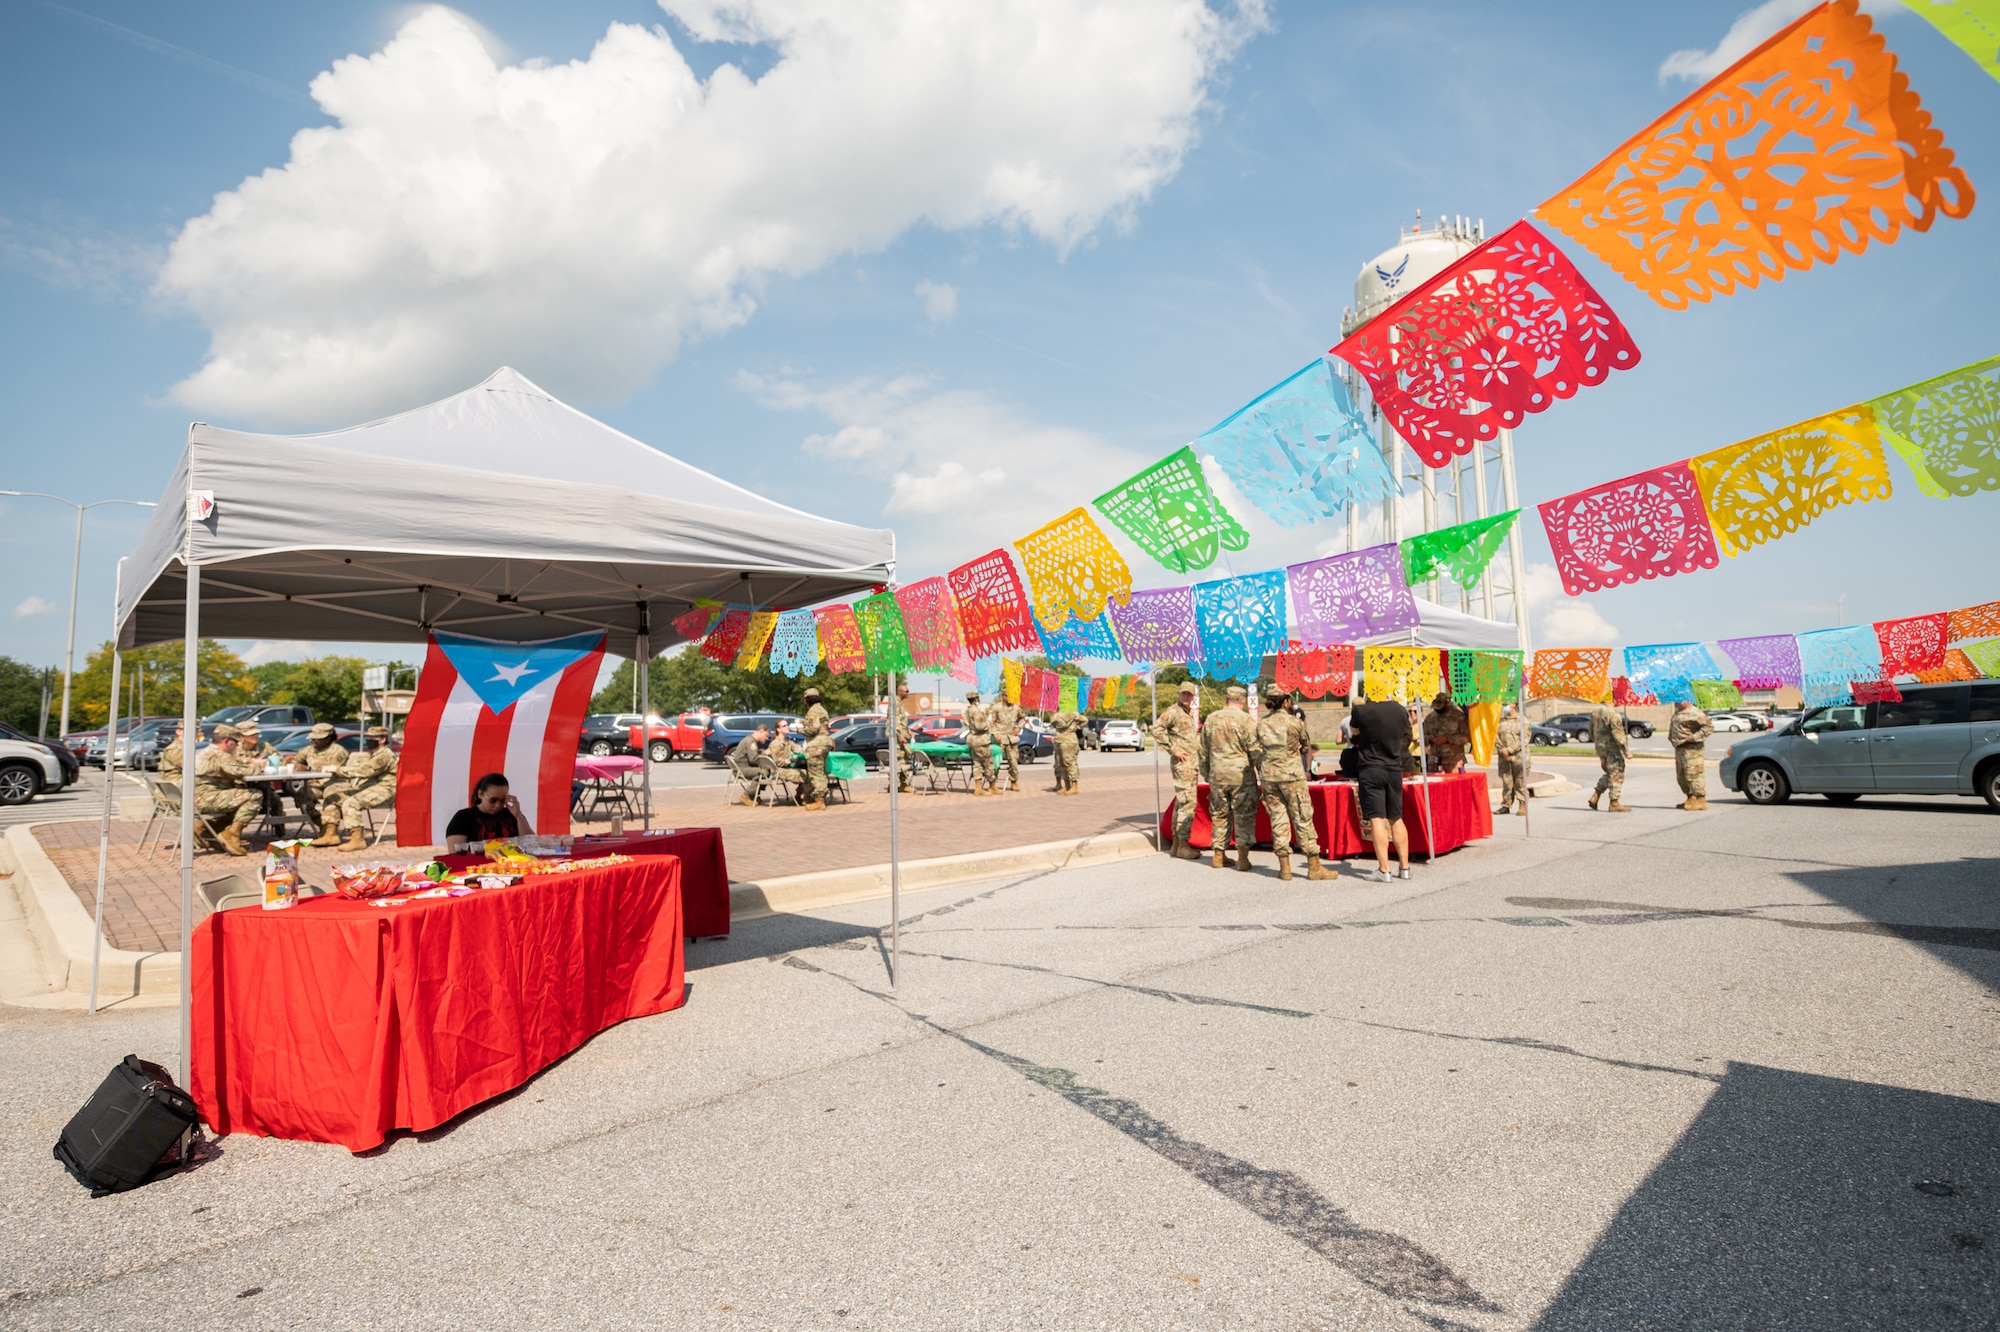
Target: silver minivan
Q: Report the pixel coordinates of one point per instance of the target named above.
(1936, 740)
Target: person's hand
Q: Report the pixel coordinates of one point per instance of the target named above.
(514, 804)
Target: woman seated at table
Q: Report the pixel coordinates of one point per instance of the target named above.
(494, 815)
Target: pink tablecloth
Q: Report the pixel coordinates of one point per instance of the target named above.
(609, 768)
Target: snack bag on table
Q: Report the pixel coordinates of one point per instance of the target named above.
(281, 874)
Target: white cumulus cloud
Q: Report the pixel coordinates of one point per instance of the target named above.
(966, 471)
(1561, 620)
(33, 606)
(1751, 27)
(940, 302)
(581, 220)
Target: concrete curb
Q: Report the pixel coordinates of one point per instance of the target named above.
(864, 883)
(61, 927)
(62, 931)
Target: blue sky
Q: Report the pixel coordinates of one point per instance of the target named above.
(1005, 358)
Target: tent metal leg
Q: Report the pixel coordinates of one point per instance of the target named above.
(190, 743)
(895, 861)
(644, 665)
(110, 773)
(1159, 813)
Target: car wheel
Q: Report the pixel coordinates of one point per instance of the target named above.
(18, 784)
(659, 751)
(1843, 797)
(1764, 784)
(600, 748)
(1987, 783)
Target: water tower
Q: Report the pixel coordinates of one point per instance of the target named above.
(1474, 486)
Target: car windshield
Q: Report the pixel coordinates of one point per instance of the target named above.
(1841, 717)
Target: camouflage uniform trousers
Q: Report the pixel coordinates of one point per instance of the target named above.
(1010, 758)
(1065, 757)
(1237, 800)
(1187, 797)
(233, 809)
(1691, 769)
(1513, 779)
(1289, 807)
(1613, 779)
(350, 802)
(817, 749)
(980, 749)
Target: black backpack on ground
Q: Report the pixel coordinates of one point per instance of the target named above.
(127, 1128)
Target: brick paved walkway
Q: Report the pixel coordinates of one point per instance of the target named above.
(142, 894)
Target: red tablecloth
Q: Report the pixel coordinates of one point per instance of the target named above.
(1458, 801)
(338, 1021)
(704, 869)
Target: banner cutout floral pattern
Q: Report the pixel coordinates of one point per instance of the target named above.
(1400, 674)
(1342, 598)
(1583, 673)
(1073, 569)
(1651, 525)
(1171, 513)
(1302, 450)
(992, 607)
(1775, 484)
(1947, 429)
(1461, 552)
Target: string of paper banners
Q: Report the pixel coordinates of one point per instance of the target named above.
(1687, 209)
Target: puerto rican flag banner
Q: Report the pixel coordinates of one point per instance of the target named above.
(514, 708)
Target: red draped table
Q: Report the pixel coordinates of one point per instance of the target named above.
(339, 1021)
(1458, 801)
(704, 870)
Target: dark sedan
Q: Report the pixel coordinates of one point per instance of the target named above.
(66, 758)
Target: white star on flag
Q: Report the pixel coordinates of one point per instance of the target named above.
(512, 674)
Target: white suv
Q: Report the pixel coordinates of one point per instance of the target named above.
(1121, 735)
(26, 770)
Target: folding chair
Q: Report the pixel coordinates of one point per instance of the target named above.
(231, 890)
(368, 813)
(166, 812)
(752, 780)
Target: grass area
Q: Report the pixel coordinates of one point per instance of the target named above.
(1566, 751)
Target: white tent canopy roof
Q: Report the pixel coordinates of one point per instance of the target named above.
(499, 512)
(1443, 627)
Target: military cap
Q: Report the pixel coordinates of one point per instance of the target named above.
(224, 731)
(376, 733)
(1237, 691)
(1190, 687)
(321, 730)
(812, 693)
(250, 728)
(972, 695)
(1276, 691)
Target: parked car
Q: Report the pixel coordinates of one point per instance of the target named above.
(1541, 733)
(1037, 740)
(345, 734)
(725, 729)
(28, 768)
(266, 715)
(71, 769)
(1937, 740)
(835, 725)
(937, 726)
(677, 737)
(866, 736)
(1577, 726)
(128, 728)
(607, 733)
(1733, 722)
(142, 751)
(1119, 734)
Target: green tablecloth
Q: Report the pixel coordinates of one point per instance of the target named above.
(847, 767)
(950, 749)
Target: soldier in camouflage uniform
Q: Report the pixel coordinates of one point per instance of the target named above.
(365, 781)
(250, 746)
(1067, 726)
(1688, 733)
(1446, 734)
(170, 759)
(1007, 731)
(1510, 755)
(1286, 748)
(1607, 732)
(819, 743)
(1178, 733)
(899, 734)
(321, 753)
(220, 796)
(979, 745)
(779, 754)
(1228, 758)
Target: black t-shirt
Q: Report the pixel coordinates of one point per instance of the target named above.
(476, 825)
(1382, 734)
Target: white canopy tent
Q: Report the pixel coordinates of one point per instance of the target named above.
(1442, 627)
(499, 512)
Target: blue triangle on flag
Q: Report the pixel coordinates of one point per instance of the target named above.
(501, 672)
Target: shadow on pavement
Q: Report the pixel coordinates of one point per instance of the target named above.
(1948, 907)
(1798, 1201)
(770, 936)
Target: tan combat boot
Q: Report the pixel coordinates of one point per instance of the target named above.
(1593, 798)
(354, 841)
(814, 804)
(1317, 870)
(1182, 851)
(1243, 857)
(1221, 857)
(1697, 802)
(1619, 807)
(329, 836)
(1285, 866)
(232, 842)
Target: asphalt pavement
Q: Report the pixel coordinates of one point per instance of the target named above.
(1656, 1070)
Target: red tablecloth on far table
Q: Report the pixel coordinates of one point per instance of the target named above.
(338, 1021)
(1458, 800)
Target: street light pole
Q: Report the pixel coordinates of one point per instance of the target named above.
(75, 569)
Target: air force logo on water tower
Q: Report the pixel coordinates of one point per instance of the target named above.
(1392, 280)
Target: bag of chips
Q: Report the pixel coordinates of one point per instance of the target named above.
(281, 874)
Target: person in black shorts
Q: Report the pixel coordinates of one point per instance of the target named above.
(493, 815)
(1382, 743)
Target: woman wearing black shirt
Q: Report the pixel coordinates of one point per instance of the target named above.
(494, 815)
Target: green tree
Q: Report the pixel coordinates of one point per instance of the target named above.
(21, 694)
(221, 681)
(330, 686)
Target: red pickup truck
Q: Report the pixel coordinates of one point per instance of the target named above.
(672, 737)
